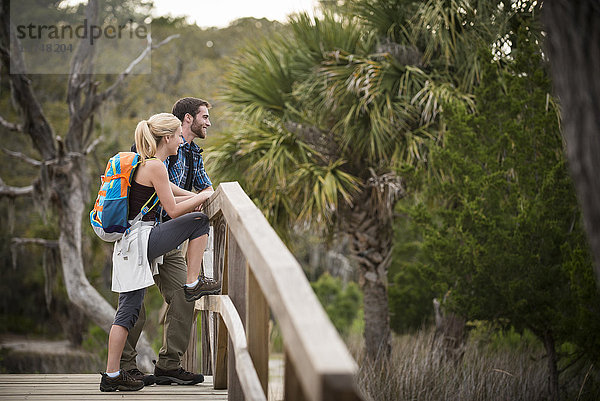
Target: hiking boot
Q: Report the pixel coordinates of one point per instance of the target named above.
(123, 382)
(205, 286)
(178, 376)
(147, 379)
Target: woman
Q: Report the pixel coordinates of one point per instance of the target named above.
(155, 140)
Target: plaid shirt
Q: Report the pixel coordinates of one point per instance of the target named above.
(178, 170)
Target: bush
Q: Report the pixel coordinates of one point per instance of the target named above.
(341, 302)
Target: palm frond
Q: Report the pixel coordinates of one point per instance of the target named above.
(320, 188)
(385, 17)
(260, 78)
(314, 37)
(434, 95)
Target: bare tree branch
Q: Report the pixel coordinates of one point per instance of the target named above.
(6, 190)
(81, 88)
(109, 92)
(49, 243)
(56, 161)
(23, 157)
(11, 126)
(87, 135)
(82, 99)
(93, 145)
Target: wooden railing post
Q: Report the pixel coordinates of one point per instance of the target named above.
(221, 273)
(236, 289)
(257, 328)
(189, 360)
(210, 269)
(292, 388)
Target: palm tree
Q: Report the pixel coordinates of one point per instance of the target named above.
(327, 116)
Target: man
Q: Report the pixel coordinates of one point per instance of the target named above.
(185, 172)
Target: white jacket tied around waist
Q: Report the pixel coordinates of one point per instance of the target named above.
(131, 268)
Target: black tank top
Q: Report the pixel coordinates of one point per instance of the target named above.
(138, 196)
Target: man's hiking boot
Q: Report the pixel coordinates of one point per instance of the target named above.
(147, 379)
(205, 286)
(123, 382)
(178, 376)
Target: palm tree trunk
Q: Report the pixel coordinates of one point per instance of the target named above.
(377, 321)
(553, 385)
(371, 247)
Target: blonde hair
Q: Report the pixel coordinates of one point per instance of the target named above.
(148, 133)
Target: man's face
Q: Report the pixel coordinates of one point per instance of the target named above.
(200, 123)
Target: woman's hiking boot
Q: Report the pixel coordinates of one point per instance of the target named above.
(205, 286)
(123, 382)
(179, 376)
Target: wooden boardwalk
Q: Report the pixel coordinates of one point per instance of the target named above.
(260, 278)
(87, 387)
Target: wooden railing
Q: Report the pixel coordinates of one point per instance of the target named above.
(261, 277)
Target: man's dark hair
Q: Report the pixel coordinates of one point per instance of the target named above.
(188, 105)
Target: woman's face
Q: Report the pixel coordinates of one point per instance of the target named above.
(174, 141)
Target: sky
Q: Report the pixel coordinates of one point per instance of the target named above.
(220, 13)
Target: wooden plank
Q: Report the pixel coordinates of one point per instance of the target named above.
(213, 206)
(206, 344)
(236, 289)
(236, 286)
(220, 336)
(294, 304)
(250, 385)
(189, 360)
(86, 386)
(221, 357)
(66, 390)
(67, 378)
(207, 318)
(134, 395)
(292, 388)
(257, 328)
(144, 393)
(111, 396)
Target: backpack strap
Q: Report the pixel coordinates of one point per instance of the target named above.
(145, 209)
(189, 161)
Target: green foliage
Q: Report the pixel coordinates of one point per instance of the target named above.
(388, 18)
(341, 302)
(266, 150)
(505, 237)
(96, 341)
(306, 103)
(410, 298)
(276, 339)
(412, 284)
(494, 338)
